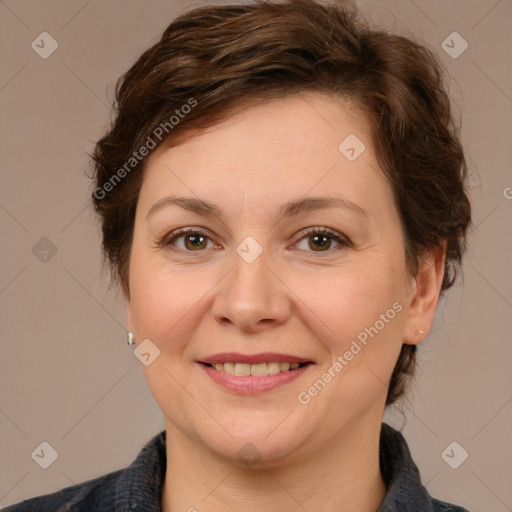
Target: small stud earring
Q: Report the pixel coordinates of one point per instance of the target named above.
(419, 331)
(130, 338)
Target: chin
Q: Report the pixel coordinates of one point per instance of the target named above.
(255, 438)
(258, 453)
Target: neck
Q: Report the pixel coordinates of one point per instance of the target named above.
(345, 474)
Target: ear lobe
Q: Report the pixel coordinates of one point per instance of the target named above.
(426, 290)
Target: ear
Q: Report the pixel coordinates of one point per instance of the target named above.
(425, 296)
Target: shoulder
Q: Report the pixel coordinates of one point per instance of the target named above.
(96, 494)
(405, 490)
(442, 506)
(136, 487)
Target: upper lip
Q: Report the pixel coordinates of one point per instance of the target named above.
(265, 357)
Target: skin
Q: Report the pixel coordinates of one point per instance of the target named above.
(294, 299)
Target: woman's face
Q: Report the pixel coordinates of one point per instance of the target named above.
(255, 282)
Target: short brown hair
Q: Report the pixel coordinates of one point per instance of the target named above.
(220, 59)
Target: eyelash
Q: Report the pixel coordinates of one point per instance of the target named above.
(342, 240)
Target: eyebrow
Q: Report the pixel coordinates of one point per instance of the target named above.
(290, 209)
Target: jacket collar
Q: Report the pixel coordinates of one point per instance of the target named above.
(140, 485)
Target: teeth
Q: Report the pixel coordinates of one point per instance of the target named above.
(228, 368)
(259, 370)
(273, 368)
(242, 370)
(256, 370)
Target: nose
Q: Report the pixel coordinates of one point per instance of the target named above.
(253, 296)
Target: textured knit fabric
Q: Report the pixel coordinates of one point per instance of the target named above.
(139, 486)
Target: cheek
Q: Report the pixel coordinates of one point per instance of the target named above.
(154, 299)
(348, 302)
(167, 303)
(166, 308)
(361, 318)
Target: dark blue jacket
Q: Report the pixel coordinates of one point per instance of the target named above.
(138, 487)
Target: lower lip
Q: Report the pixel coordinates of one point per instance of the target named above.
(251, 385)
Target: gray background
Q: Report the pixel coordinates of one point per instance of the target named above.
(67, 376)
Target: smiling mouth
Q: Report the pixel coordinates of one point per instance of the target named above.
(255, 370)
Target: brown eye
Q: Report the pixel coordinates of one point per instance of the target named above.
(320, 242)
(195, 240)
(321, 239)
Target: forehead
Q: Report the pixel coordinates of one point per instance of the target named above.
(307, 115)
(307, 142)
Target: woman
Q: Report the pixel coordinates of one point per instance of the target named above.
(282, 199)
